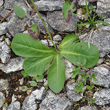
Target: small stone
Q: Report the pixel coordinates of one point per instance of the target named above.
(31, 101)
(50, 43)
(47, 5)
(54, 102)
(3, 27)
(13, 65)
(101, 60)
(1, 3)
(7, 41)
(82, 3)
(57, 38)
(1, 38)
(107, 20)
(88, 108)
(57, 22)
(72, 94)
(13, 98)
(68, 69)
(21, 81)
(2, 99)
(102, 97)
(3, 84)
(14, 106)
(102, 76)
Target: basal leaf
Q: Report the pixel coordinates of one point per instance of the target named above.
(34, 31)
(68, 40)
(26, 46)
(79, 52)
(35, 66)
(68, 9)
(19, 11)
(56, 74)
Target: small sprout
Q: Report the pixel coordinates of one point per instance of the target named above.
(34, 31)
(19, 11)
(39, 77)
(68, 9)
(91, 7)
(24, 74)
(29, 92)
(24, 88)
(33, 83)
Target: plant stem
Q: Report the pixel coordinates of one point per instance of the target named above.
(43, 23)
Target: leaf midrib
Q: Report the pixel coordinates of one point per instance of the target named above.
(34, 48)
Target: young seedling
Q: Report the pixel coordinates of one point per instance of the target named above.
(40, 58)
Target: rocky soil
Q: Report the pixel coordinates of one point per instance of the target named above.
(41, 97)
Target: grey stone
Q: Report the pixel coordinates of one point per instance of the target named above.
(101, 39)
(14, 106)
(107, 20)
(102, 97)
(102, 76)
(68, 69)
(13, 65)
(30, 102)
(50, 43)
(103, 8)
(4, 13)
(17, 25)
(72, 94)
(3, 27)
(1, 3)
(36, 20)
(82, 3)
(7, 40)
(57, 38)
(2, 97)
(3, 84)
(49, 5)
(4, 52)
(54, 102)
(57, 22)
(88, 108)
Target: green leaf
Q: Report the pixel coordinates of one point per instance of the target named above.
(35, 66)
(24, 88)
(79, 52)
(83, 24)
(88, 87)
(33, 83)
(39, 77)
(24, 74)
(68, 9)
(68, 40)
(26, 46)
(56, 74)
(19, 11)
(34, 31)
(99, 21)
(91, 7)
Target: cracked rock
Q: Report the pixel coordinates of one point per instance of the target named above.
(101, 39)
(3, 84)
(68, 69)
(36, 20)
(4, 52)
(47, 5)
(57, 22)
(31, 101)
(102, 76)
(88, 108)
(14, 106)
(2, 97)
(103, 8)
(102, 97)
(3, 27)
(13, 65)
(72, 94)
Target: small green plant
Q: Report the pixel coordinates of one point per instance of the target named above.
(91, 20)
(33, 83)
(41, 58)
(82, 81)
